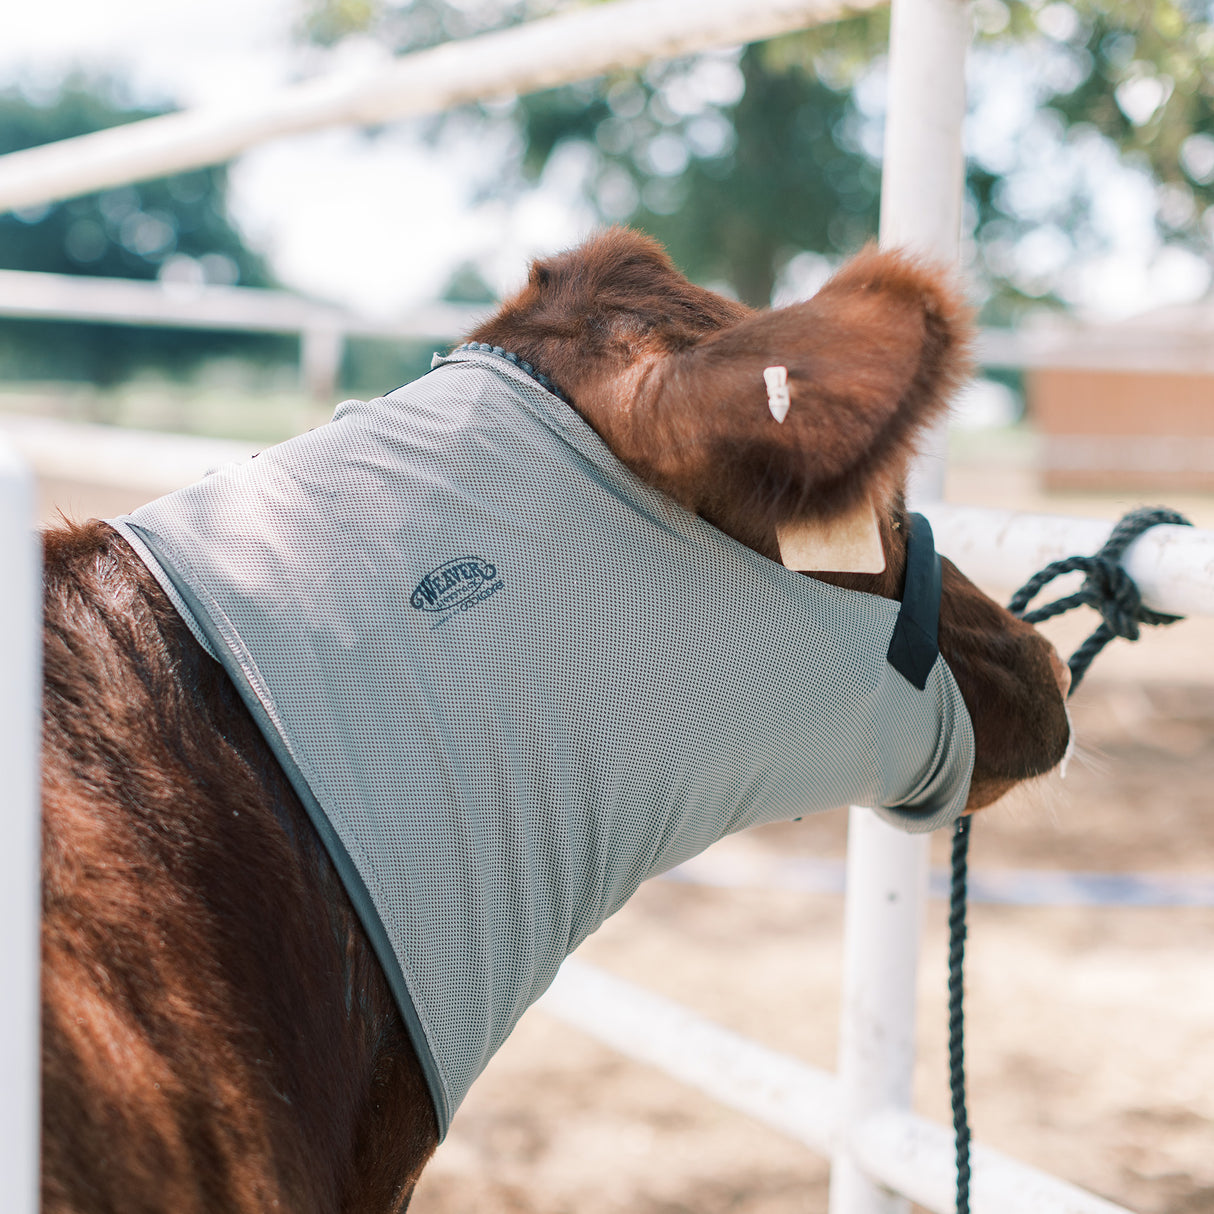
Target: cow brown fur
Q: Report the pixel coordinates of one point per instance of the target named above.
(217, 1034)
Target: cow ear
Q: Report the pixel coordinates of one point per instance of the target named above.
(805, 412)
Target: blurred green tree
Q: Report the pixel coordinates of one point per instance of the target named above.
(743, 162)
(736, 164)
(175, 227)
(1149, 87)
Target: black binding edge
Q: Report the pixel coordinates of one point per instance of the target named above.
(915, 645)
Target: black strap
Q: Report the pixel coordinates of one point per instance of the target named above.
(914, 647)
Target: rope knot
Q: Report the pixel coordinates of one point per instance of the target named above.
(1107, 588)
(1112, 592)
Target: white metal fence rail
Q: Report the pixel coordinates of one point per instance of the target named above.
(322, 328)
(1172, 566)
(541, 54)
(882, 1154)
(895, 1151)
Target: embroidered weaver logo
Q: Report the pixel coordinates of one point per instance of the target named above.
(455, 586)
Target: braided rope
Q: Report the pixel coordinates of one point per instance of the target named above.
(525, 367)
(1107, 588)
(1112, 592)
(956, 1008)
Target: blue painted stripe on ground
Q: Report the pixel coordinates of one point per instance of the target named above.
(1009, 887)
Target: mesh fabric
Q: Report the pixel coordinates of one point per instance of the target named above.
(511, 681)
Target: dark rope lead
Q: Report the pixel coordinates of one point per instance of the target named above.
(956, 1008)
(1107, 589)
(1111, 591)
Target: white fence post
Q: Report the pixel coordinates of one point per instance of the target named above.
(320, 354)
(19, 856)
(887, 874)
(921, 195)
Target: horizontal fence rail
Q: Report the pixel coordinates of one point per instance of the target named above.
(541, 54)
(36, 295)
(322, 328)
(996, 887)
(904, 1152)
(30, 295)
(140, 461)
(1173, 566)
(1147, 344)
(781, 1092)
(913, 1157)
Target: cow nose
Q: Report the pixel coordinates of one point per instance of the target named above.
(1062, 672)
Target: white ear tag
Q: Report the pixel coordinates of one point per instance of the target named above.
(778, 398)
(851, 544)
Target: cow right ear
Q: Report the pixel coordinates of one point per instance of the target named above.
(870, 362)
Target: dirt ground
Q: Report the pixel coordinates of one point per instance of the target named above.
(1091, 1029)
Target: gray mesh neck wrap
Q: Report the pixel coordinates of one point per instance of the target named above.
(510, 681)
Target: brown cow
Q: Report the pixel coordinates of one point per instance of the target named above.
(217, 1033)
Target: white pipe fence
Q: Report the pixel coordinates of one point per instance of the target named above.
(32, 295)
(1173, 566)
(20, 620)
(541, 54)
(322, 328)
(882, 1154)
(896, 1150)
(921, 192)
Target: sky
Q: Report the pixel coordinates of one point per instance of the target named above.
(378, 224)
